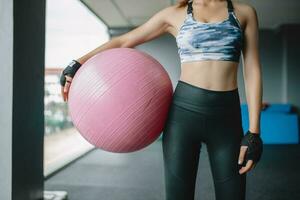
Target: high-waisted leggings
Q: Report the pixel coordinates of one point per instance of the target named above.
(197, 116)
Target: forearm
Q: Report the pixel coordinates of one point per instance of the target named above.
(113, 43)
(254, 98)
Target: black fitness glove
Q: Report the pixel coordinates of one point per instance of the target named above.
(255, 146)
(70, 70)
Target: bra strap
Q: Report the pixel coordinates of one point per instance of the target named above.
(190, 7)
(229, 6)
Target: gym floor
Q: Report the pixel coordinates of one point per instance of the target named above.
(101, 175)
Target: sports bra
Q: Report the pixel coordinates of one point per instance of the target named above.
(212, 40)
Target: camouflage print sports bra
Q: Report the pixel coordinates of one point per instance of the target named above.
(210, 41)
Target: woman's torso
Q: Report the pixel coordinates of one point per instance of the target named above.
(209, 74)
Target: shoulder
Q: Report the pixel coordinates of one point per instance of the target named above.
(245, 11)
(170, 14)
(245, 8)
(173, 15)
(170, 10)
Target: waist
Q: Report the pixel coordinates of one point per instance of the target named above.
(206, 101)
(213, 75)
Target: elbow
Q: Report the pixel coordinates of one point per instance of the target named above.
(252, 70)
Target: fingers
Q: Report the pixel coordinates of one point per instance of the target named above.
(67, 86)
(242, 154)
(249, 165)
(62, 93)
(247, 168)
(65, 89)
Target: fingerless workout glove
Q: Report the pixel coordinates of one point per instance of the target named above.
(255, 146)
(70, 70)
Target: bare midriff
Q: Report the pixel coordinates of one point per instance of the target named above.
(210, 74)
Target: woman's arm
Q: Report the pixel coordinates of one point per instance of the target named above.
(252, 70)
(157, 25)
(154, 27)
(253, 86)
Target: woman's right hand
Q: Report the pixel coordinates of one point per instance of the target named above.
(66, 87)
(66, 78)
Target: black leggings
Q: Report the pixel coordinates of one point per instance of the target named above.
(200, 115)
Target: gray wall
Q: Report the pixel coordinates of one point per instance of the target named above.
(270, 47)
(291, 41)
(22, 39)
(279, 56)
(164, 49)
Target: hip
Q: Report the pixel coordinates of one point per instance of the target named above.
(206, 102)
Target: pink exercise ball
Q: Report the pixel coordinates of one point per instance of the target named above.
(119, 100)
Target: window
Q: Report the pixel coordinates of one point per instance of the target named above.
(71, 31)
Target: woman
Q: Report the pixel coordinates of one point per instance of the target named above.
(211, 36)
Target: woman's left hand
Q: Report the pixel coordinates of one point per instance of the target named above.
(250, 151)
(249, 165)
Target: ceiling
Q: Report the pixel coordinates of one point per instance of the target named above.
(131, 13)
